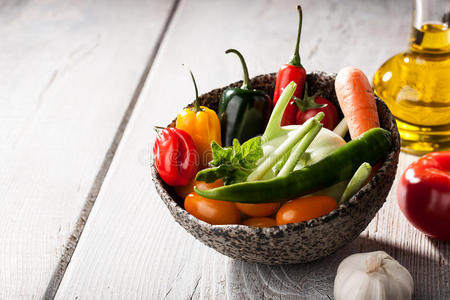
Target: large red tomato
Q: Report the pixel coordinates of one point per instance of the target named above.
(424, 194)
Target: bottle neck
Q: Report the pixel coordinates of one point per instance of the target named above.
(430, 32)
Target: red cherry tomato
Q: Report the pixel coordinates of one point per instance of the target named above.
(260, 222)
(176, 158)
(304, 209)
(424, 194)
(331, 118)
(258, 210)
(214, 212)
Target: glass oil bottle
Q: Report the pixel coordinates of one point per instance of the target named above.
(416, 84)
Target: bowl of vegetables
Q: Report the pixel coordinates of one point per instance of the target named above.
(264, 170)
(302, 241)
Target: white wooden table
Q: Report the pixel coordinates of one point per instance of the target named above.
(81, 85)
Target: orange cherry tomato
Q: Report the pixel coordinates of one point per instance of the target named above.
(260, 222)
(258, 210)
(214, 212)
(183, 191)
(304, 209)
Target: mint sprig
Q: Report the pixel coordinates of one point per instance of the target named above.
(232, 164)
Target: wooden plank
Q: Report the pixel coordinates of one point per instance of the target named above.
(132, 248)
(69, 71)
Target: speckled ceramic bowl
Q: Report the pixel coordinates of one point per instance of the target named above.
(299, 242)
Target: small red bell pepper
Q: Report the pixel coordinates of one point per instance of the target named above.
(293, 71)
(424, 194)
(176, 158)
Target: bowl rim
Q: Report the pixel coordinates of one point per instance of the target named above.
(342, 209)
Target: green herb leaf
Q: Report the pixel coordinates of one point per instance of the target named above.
(220, 154)
(251, 152)
(232, 164)
(236, 150)
(211, 174)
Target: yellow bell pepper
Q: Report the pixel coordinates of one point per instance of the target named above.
(203, 125)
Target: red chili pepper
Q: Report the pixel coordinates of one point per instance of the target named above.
(176, 158)
(424, 194)
(293, 71)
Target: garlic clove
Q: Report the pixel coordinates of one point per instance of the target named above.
(372, 276)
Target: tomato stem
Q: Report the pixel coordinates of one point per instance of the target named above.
(307, 102)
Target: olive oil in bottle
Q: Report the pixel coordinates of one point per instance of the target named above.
(416, 84)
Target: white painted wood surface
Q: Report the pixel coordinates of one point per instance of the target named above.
(132, 248)
(70, 70)
(68, 73)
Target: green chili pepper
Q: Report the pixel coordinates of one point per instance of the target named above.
(243, 112)
(371, 147)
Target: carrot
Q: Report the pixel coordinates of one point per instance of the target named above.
(356, 100)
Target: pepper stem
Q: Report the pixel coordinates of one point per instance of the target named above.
(295, 60)
(246, 81)
(158, 129)
(196, 102)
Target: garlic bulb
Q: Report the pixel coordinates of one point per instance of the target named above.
(372, 276)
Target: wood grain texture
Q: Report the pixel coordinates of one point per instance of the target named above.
(131, 247)
(68, 73)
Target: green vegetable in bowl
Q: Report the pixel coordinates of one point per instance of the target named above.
(357, 182)
(232, 164)
(263, 157)
(283, 153)
(300, 139)
(340, 165)
(243, 111)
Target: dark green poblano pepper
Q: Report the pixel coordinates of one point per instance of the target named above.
(243, 111)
